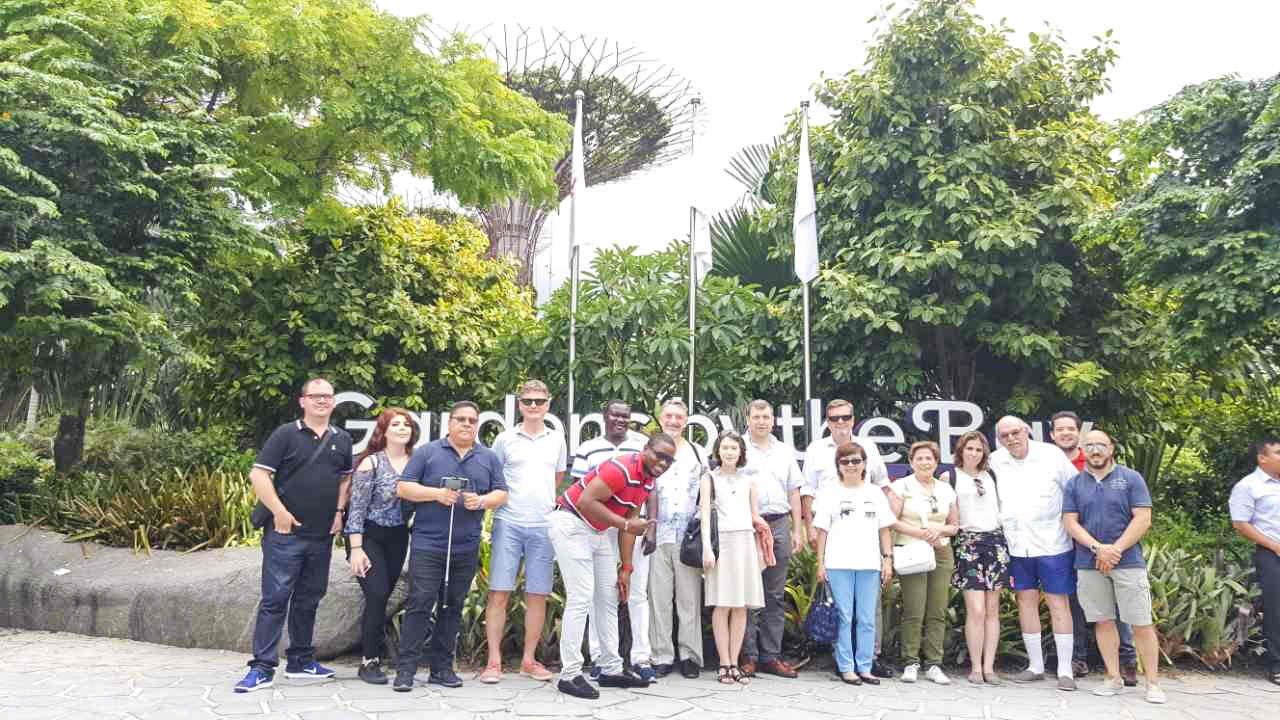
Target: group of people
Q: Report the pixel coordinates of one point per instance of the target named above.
(1063, 521)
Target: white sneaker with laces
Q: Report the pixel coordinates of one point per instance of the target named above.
(1109, 687)
(1155, 695)
(935, 674)
(909, 672)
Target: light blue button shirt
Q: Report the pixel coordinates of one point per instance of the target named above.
(1256, 500)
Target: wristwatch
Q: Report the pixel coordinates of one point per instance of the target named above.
(1093, 548)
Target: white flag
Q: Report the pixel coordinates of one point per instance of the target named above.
(579, 171)
(805, 223)
(701, 245)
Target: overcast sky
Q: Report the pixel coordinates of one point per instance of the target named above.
(753, 62)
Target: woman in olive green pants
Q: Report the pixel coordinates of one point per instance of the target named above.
(926, 510)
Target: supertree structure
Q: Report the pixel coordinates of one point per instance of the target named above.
(636, 116)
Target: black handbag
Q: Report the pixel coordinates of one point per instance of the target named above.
(822, 624)
(261, 515)
(691, 543)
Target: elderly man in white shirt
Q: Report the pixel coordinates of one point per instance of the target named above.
(1033, 476)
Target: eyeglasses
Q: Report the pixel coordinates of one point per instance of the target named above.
(664, 457)
(1012, 433)
(850, 461)
(534, 402)
(464, 420)
(319, 397)
(839, 418)
(1095, 447)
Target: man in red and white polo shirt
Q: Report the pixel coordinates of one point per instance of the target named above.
(611, 495)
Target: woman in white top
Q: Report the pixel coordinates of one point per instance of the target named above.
(852, 519)
(733, 579)
(926, 510)
(982, 554)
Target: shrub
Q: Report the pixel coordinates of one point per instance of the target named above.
(1198, 605)
(21, 469)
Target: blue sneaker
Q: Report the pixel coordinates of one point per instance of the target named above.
(312, 669)
(646, 672)
(595, 673)
(255, 680)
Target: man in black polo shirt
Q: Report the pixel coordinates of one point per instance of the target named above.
(302, 474)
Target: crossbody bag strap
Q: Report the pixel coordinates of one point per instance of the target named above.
(284, 484)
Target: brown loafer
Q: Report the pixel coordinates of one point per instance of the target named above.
(748, 668)
(1129, 672)
(777, 667)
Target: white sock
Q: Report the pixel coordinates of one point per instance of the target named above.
(1064, 643)
(1035, 653)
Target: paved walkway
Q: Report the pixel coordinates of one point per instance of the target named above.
(69, 677)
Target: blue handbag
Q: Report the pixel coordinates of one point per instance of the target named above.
(822, 624)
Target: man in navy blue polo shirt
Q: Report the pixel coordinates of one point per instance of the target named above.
(452, 482)
(1107, 509)
(302, 475)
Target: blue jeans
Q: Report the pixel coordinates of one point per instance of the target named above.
(295, 575)
(860, 588)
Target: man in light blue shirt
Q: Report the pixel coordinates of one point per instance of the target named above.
(1255, 514)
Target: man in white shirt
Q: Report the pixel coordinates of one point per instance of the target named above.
(619, 439)
(677, 493)
(778, 482)
(533, 464)
(1255, 514)
(1033, 476)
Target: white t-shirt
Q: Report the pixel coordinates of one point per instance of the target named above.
(852, 518)
(1031, 499)
(820, 464)
(977, 513)
(529, 465)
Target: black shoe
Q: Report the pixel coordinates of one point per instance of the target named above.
(663, 669)
(404, 682)
(690, 669)
(881, 670)
(446, 677)
(371, 672)
(579, 688)
(622, 680)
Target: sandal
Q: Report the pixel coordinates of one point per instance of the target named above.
(975, 678)
(725, 675)
(736, 673)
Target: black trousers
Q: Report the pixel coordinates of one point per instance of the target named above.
(426, 579)
(1268, 565)
(386, 548)
(295, 575)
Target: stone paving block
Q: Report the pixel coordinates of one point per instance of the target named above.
(176, 712)
(241, 706)
(477, 690)
(334, 715)
(174, 693)
(32, 701)
(417, 715)
(390, 704)
(955, 709)
(716, 704)
(758, 699)
(475, 705)
(40, 713)
(657, 707)
(290, 706)
(550, 709)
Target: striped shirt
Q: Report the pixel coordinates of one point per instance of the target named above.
(596, 450)
(626, 478)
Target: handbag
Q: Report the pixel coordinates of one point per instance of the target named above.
(691, 543)
(822, 624)
(261, 515)
(914, 557)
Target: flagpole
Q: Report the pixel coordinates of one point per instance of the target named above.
(573, 262)
(804, 285)
(693, 269)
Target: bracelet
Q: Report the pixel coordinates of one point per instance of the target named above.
(626, 567)
(356, 547)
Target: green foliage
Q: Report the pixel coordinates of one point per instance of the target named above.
(1197, 605)
(633, 335)
(398, 306)
(21, 470)
(1229, 425)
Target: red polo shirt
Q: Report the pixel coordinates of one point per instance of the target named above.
(1078, 460)
(626, 477)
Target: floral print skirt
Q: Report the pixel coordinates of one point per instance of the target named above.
(982, 561)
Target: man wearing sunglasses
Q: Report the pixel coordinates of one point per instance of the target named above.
(610, 496)
(533, 458)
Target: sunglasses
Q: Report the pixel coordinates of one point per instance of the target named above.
(464, 420)
(1095, 447)
(839, 418)
(533, 402)
(977, 485)
(664, 457)
(850, 461)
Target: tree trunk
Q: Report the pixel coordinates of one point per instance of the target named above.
(68, 446)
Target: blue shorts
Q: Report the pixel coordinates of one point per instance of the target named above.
(1054, 574)
(508, 544)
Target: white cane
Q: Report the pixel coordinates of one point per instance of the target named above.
(448, 556)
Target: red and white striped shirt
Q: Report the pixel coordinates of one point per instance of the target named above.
(626, 477)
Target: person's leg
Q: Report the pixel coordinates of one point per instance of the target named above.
(975, 628)
(1108, 646)
(426, 572)
(1079, 630)
(1029, 623)
(763, 635)
(1059, 582)
(991, 635)
(539, 577)
(689, 613)
(444, 639)
(573, 557)
(593, 622)
(843, 591)
(313, 582)
(605, 561)
(937, 597)
(282, 560)
(720, 631)
(505, 553)
(638, 606)
(1267, 565)
(866, 591)
(661, 590)
(1132, 601)
(915, 592)
(737, 628)
(376, 584)
(495, 625)
(1128, 654)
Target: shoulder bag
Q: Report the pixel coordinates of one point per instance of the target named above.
(691, 543)
(822, 623)
(916, 556)
(261, 514)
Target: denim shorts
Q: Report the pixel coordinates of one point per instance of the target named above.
(1055, 574)
(508, 544)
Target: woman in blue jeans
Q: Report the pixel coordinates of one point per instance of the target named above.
(854, 557)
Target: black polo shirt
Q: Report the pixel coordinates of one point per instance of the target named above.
(312, 494)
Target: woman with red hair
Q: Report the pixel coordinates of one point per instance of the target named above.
(377, 538)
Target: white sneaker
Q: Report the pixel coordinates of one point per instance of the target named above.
(909, 672)
(1109, 687)
(935, 674)
(1155, 695)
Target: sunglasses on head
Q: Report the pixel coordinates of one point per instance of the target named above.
(535, 402)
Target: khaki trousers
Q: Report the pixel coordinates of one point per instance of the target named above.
(668, 577)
